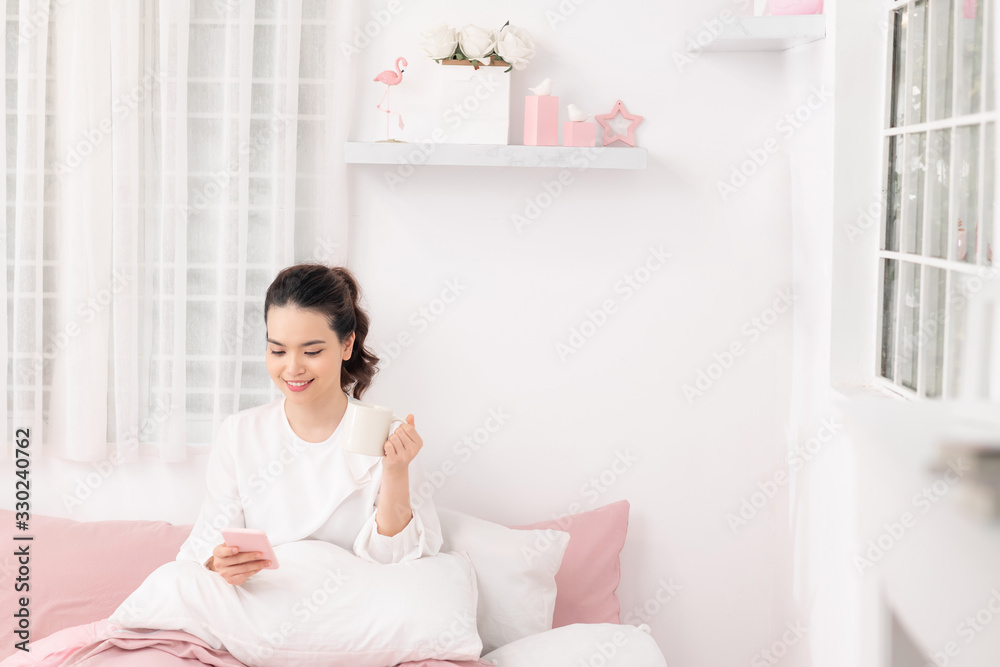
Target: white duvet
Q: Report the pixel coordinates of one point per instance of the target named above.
(324, 605)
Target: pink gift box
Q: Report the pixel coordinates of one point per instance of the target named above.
(541, 120)
(579, 133)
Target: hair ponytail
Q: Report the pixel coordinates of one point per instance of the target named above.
(334, 292)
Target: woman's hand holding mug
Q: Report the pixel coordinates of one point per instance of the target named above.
(366, 431)
(402, 446)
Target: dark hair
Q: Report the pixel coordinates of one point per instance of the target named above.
(334, 292)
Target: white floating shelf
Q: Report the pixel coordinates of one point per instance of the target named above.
(767, 33)
(477, 155)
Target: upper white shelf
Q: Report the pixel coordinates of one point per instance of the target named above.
(480, 155)
(768, 33)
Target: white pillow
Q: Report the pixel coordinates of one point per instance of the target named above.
(323, 605)
(515, 574)
(605, 644)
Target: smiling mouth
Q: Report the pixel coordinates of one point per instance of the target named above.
(297, 385)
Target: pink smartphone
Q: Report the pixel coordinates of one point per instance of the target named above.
(250, 539)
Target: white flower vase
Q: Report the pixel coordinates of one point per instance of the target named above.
(474, 103)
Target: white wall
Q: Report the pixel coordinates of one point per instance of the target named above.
(493, 348)
(823, 507)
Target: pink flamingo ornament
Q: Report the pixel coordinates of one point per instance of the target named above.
(390, 78)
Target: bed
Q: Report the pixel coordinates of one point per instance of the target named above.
(108, 593)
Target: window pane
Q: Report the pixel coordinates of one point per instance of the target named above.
(898, 68)
(888, 300)
(989, 183)
(959, 296)
(966, 191)
(909, 323)
(913, 211)
(970, 57)
(932, 331)
(990, 82)
(916, 53)
(890, 237)
(942, 53)
(937, 209)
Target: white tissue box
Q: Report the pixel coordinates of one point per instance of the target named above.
(474, 104)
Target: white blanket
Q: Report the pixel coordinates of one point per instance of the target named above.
(324, 605)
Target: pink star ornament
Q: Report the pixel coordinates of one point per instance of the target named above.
(609, 135)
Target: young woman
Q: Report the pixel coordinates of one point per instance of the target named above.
(278, 467)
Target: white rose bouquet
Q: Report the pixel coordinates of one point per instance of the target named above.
(477, 43)
(515, 46)
(509, 46)
(440, 42)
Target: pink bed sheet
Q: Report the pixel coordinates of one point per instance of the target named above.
(96, 645)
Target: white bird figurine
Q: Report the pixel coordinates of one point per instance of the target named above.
(544, 88)
(576, 114)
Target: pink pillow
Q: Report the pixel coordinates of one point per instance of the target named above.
(588, 577)
(80, 572)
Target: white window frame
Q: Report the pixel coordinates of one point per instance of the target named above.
(861, 31)
(950, 264)
(860, 157)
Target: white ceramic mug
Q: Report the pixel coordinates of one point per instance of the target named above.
(366, 428)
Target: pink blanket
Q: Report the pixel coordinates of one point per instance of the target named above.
(104, 644)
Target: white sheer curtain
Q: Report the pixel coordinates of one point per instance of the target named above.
(165, 160)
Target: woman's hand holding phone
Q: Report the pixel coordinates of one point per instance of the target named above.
(235, 564)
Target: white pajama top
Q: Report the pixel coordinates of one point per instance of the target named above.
(261, 475)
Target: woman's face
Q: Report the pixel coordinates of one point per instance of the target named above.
(304, 356)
